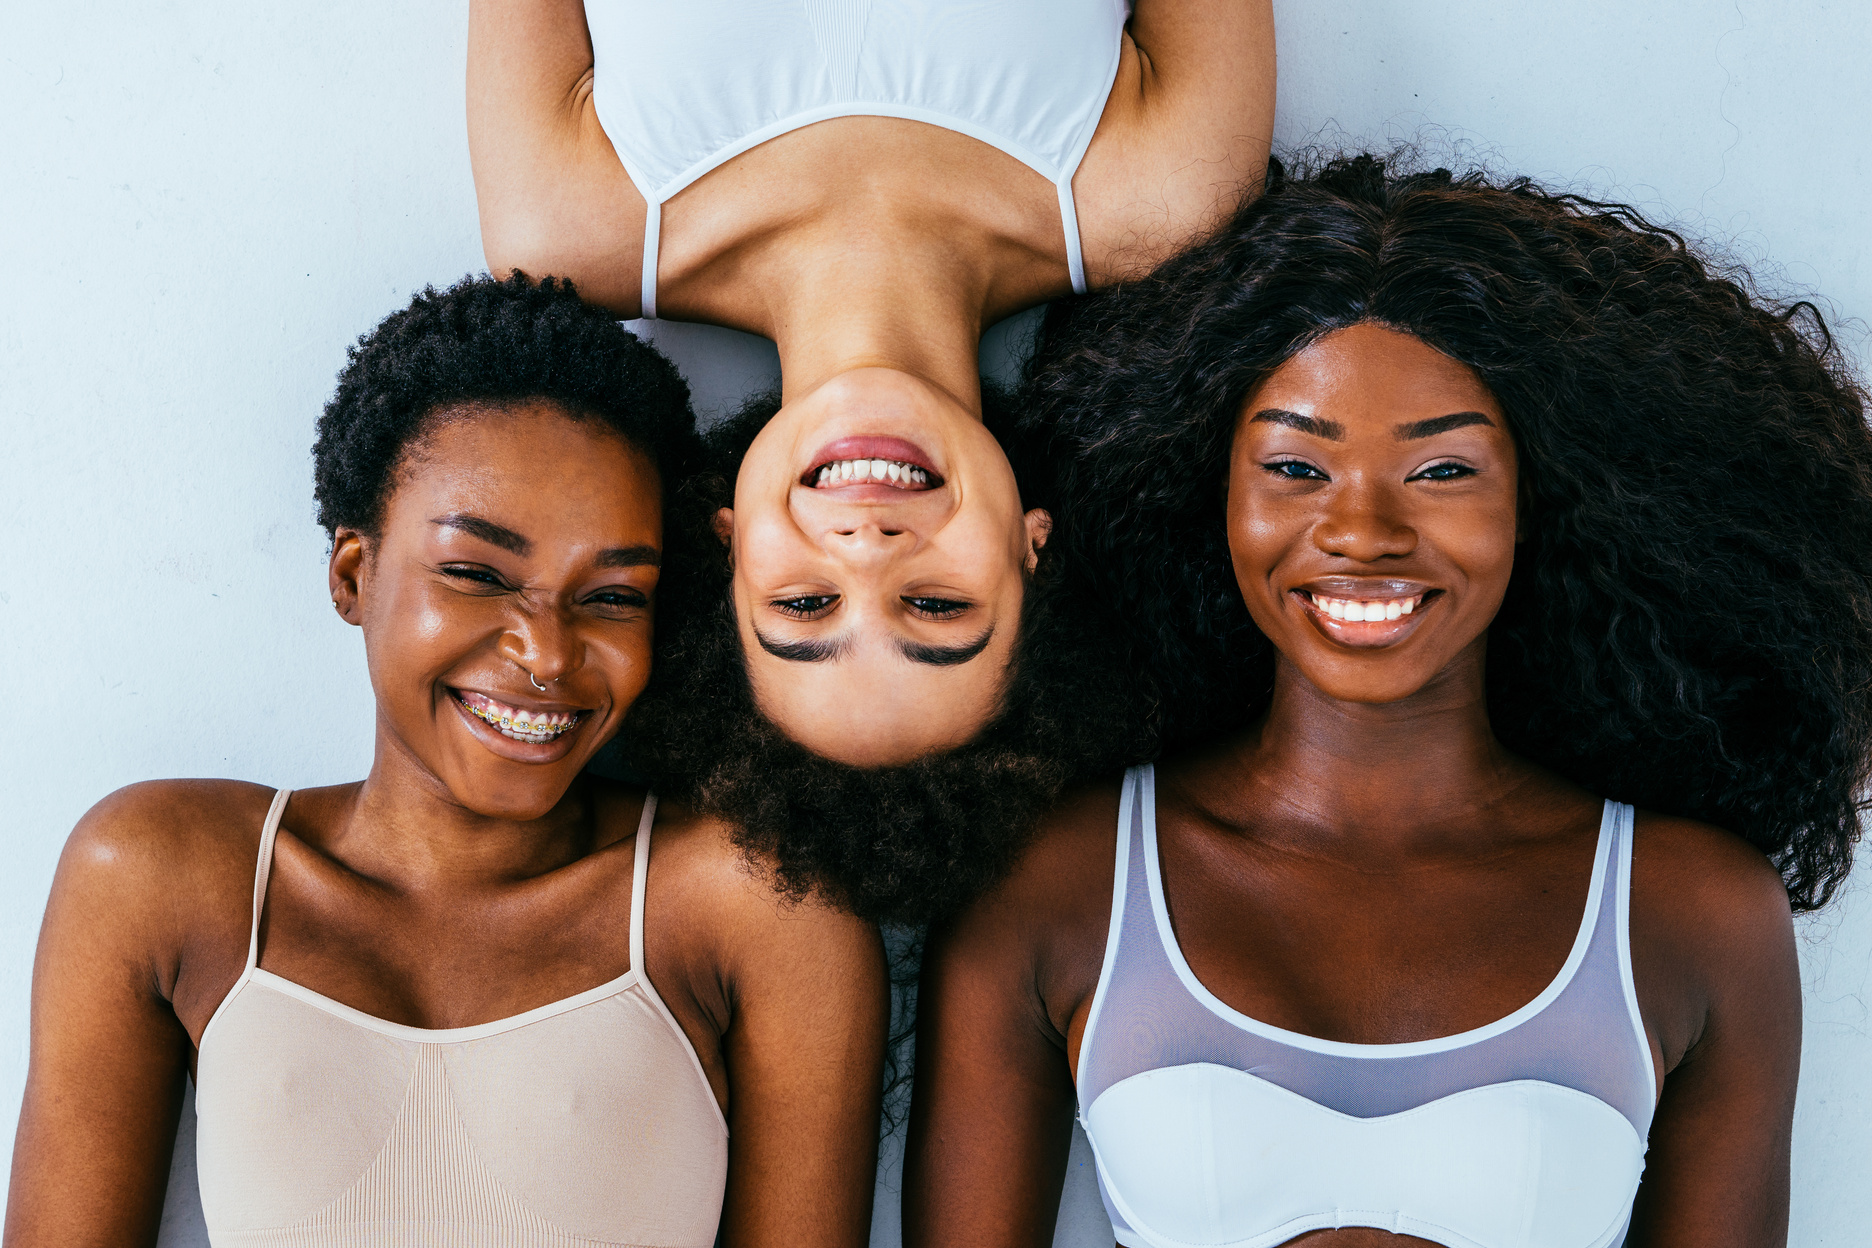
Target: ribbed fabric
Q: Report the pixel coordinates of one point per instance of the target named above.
(586, 1123)
(681, 88)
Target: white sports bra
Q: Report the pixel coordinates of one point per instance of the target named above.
(586, 1123)
(1211, 1128)
(682, 86)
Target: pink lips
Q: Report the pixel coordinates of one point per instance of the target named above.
(867, 447)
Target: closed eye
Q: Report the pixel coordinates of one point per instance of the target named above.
(627, 598)
(473, 575)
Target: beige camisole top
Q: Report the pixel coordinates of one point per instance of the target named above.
(582, 1123)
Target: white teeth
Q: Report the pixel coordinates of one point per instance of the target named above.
(1409, 603)
(1352, 610)
(1335, 607)
(870, 470)
(1393, 609)
(535, 728)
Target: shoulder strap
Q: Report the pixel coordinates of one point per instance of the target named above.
(653, 226)
(1069, 219)
(269, 831)
(638, 873)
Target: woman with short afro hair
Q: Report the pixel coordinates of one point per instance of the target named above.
(1497, 577)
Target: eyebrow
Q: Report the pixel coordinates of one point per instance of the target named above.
(1331, 430)
(946, 656)
(815, 651)
(505, 538)
(1438, 424)
(821, 651)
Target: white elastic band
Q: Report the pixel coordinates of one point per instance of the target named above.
(653, 226)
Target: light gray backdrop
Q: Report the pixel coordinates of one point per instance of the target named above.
(203, 203)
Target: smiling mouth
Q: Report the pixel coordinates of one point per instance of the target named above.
(895, 473)
(1355, 611)
(532, 727)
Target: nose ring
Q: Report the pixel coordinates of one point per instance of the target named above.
(536, 684)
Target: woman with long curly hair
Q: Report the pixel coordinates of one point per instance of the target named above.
(1500, 579)
(870, 185)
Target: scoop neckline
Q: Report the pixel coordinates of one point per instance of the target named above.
(441, 1035)
(1173, 950)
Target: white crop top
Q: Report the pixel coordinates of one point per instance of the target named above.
(682, 86)
(586, 1123)
(1212, 1128)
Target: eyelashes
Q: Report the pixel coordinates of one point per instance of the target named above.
(487, 583)
(814, 606)
(1300, 470)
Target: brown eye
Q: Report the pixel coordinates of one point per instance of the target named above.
(937, 608)
(1450, 471)
(1296, 470)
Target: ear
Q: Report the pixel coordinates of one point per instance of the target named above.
(723, 524)
(1039, 525)
(346, 575)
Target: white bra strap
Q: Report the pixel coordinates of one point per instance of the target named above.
(262, 869)
(1069, 218)
(638, 874)
(653, 228)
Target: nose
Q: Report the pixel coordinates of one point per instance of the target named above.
(542, 640)
(1363, 523)
(869, 544)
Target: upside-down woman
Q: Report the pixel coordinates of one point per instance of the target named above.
(1500, 578)
(868, 183)
(479, 996)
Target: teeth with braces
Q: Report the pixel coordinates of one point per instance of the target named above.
(893, 471)
(1354, 611)
(534, 729)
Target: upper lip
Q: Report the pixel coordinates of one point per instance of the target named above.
(532, 706)
(1364, 588)
(865, 446)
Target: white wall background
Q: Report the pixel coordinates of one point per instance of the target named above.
(202, 203)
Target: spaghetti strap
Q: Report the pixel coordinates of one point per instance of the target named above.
(653, 228)
(1069, 221)
(638, 872)
(262, 869)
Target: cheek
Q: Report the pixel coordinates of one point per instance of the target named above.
(1260, 533)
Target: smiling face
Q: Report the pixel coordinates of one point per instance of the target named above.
(1372, 512)
(506, 601)
(880, 556)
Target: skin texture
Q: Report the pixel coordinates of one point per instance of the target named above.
(469, 877)
(1367, 864)
(873, 251)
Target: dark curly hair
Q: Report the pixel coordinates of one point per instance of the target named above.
(489, 341)
(1689, 622)
(901, 843)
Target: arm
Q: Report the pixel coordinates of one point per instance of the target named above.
(809, 1002)
(1722, 958)
(991, 1120)
(554, 199)
(1185, 134)
(108, 1057)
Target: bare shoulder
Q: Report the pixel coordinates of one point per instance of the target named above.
(734, 906)
(161, 831)
(1705, 882)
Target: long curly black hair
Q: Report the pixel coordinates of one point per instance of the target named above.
(902, 844)
(1689, 622)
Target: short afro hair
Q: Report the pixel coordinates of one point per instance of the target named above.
(905, 843)
(488, 341)
(1688, 627)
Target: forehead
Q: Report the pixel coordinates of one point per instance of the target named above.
(529, 459)
(1369, 375)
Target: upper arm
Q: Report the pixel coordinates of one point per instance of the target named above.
(804, 1046)
(1185, 134)
(1004, 985)
(554, 199)
(1716, 1173)
(108, 1056)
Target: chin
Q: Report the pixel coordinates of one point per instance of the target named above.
(519, 803)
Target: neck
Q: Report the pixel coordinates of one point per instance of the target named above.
(913, 310)
(404, 827)
(1409, 770)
